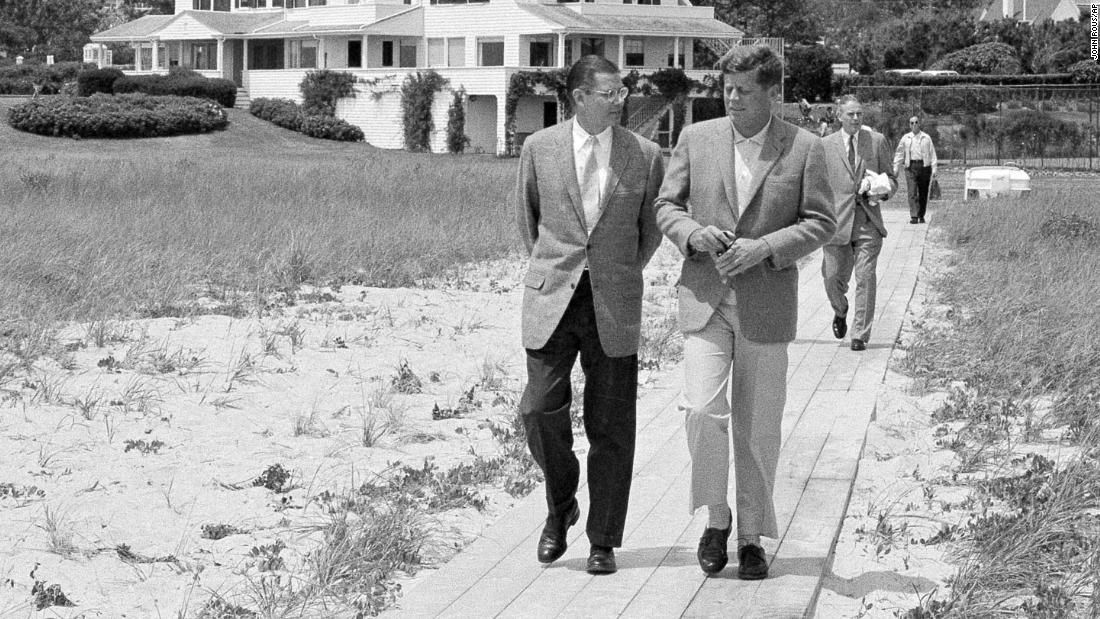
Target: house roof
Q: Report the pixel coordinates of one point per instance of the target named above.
(140, 27)
(570, 20)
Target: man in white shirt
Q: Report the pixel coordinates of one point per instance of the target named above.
(584, 204)
(917, 155)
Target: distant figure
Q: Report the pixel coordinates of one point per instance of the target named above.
(584, 203)
(806, 110)
(852, 153)
(744, 198)
(917, 153)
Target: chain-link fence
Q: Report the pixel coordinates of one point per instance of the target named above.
(1035, 126)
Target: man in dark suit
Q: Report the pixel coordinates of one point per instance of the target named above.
(584, 202)
(851, 153)
(744, 198)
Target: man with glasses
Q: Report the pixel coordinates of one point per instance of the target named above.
(584, 202)
(744, 198)
(918, 156)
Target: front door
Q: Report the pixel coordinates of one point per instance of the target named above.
(549, 113)
(238, 62)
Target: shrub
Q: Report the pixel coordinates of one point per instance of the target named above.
(97, 80)
(182, 85)
(993, 57)
(289, 115)
(417, 93)
(1085, 72)
(321, 89)
(810, 73)
(1029, 132)
(457, 141)
(121, 116)
(20, 79)
(959, 100)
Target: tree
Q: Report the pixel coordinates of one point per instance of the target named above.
(987, 58)
(809, 73)
(42, 27)
(791, 19)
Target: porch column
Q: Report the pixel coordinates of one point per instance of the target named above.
(676, 52)
(183, 61)
(561, 50)
(365, 53)
(156, 54)
(689, 54)
(221, 55)
(134, 45)
(622, 52)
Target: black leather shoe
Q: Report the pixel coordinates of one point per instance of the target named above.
(840, 327)
(552, 544)
(712, 549)
(913, 220)
(752, 563)
(601, 560)
(920, 220)
(858, 344)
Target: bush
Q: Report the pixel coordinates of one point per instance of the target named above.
(289, 115)
(417, 93)
(982, 58)
(120, 116)
(321, 89)
(959, 100)
(809, 73)
(457, 141)
(97, 80)
(181, 85)
(1085, 72)
(20, 79)
(1029, 132)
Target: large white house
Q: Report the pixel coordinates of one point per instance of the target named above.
(267, 47)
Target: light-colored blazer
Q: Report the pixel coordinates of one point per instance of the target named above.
(790, 208)
(551, 222)
(871, 154)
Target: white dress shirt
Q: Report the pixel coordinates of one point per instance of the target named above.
(916, 146)
(603, 161)
(746, 156)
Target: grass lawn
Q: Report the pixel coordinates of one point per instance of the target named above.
(99, 228)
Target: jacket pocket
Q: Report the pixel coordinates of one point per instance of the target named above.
(534, 279)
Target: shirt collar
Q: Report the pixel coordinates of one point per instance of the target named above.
(757, 139)
(580, 135)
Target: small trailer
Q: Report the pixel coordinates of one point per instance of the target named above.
(995, 180)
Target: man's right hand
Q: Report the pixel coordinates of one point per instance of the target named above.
(711, 239)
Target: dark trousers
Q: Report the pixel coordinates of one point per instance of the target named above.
(917, 178)
(610, 402)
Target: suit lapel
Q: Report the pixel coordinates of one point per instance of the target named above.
(769, 155)
(568, 168)
(724, 144)
(621, 157)
(863, 153)
(841, 150)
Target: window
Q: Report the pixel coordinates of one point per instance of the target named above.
(540, 54)
(456, 52)
(265, 54)
(355, 54)
(303, 54)
(222, 5)
(491, 53)
(145, 59)
(276, 4)
(590, 46)
(204, 56)
(387, 53)
(649, 1)
(201, 5)
(317, 2)
(162, 56)
(568, 53)
(634, 52)
(408, 54)
(435, 53)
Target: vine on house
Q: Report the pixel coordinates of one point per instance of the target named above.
(457, 141)
(417, 93)
(523, 83)
(321, 89)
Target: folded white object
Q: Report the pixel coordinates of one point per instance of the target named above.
(875, 184)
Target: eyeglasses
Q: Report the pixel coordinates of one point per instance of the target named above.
(612, 95)
(913, 122)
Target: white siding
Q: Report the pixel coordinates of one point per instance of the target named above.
(481, 124)
(380, 119)
(280, 84)
(182, 5)
(185, 27)
(440, 106)
(336, 15)
(495, 18)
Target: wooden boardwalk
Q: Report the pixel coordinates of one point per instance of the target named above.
(830, 402)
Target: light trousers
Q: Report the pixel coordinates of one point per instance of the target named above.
(839, 261)
(734, 385)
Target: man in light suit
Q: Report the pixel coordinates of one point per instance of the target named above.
(851, 153)
(584, 202)
(743, 199)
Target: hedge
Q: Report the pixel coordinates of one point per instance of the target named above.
(221, 90)
(289, 115)
(97, 80)
(117, 116)
(20, 79)
(843, 83)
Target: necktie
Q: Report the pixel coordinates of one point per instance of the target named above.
(590, 183)
(852, 151)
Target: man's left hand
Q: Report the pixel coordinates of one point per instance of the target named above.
(741, 256)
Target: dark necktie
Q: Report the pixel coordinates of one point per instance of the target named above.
(852, 151)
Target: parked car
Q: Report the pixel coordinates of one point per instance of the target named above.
(994, 180)
(902, 71)
(934, 72)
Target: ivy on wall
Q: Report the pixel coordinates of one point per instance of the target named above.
(417, 94)
(524, 83)
(457, 141)
(321, 89)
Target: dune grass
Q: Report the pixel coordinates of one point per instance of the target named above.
(98, 229)
(1021, 330)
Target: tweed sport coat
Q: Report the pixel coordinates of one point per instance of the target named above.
(551, 221)
(790, 208)
(871, 154)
